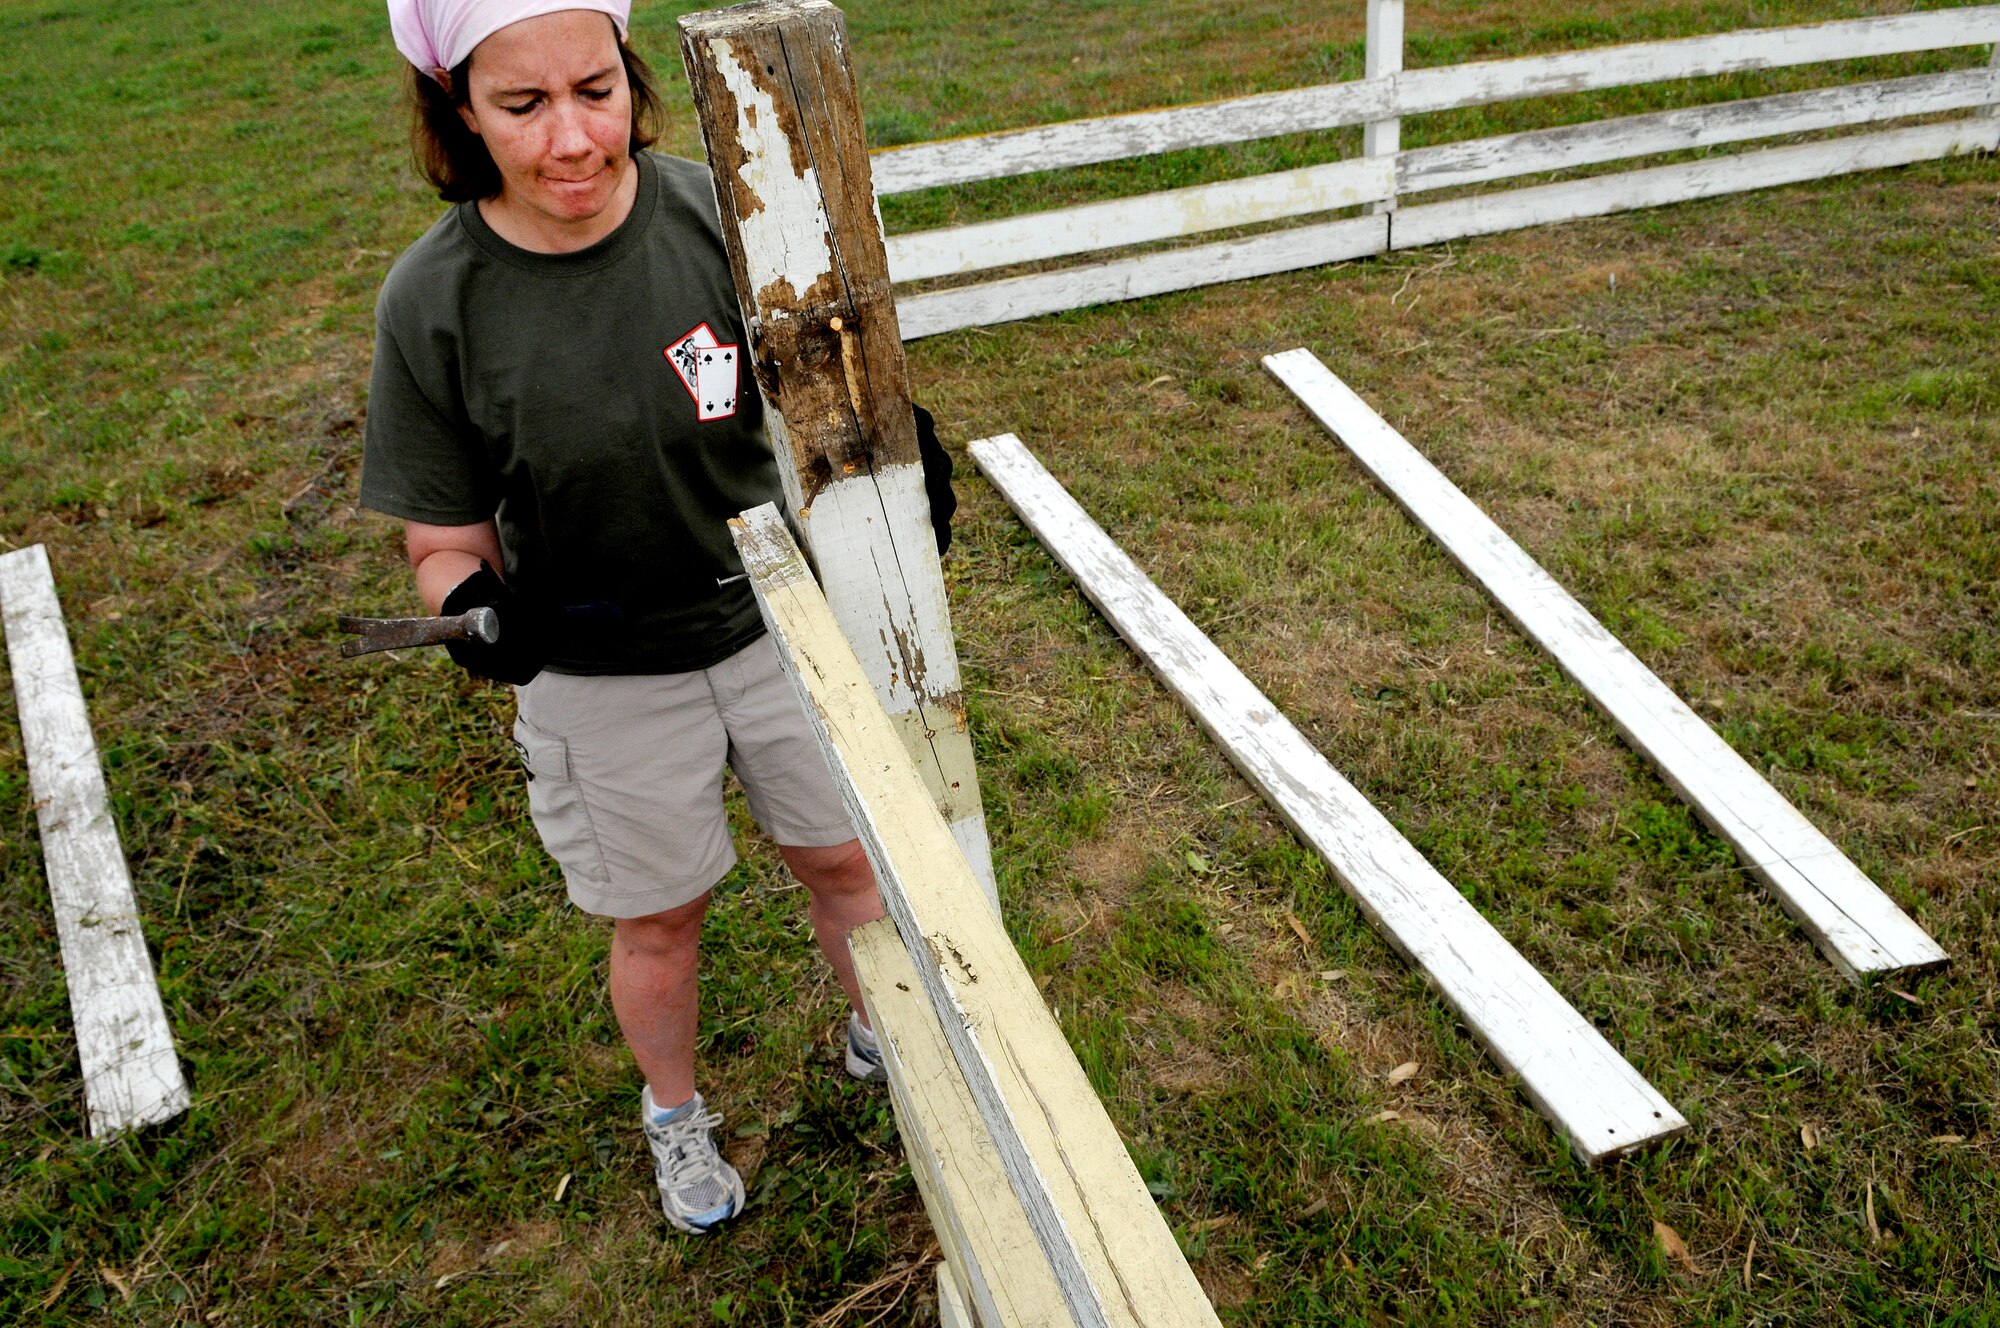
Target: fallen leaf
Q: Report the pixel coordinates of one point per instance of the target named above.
(124, 1288)
(1746, 1262)
(1313, 1209)
(55, 1292)
(1422, 1124)
(562, 1186)
(1163, 378)
(1381, 1116)
(1809, 1137)
(1332, 974)
(1211, 1223)
(1299, 929)
(1894, 991)
(1947, 1138)
(1224, 928)
(1874, 1229)
(1407, 1070)
(1674, 1247)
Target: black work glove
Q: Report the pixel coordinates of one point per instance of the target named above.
(523, 645)
(937, 477)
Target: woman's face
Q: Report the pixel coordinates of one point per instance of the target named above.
(549, 97)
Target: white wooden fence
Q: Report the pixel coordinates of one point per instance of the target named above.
(1385, 175)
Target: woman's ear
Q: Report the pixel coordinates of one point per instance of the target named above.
(464, 108)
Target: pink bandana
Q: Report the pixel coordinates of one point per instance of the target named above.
(438, 34)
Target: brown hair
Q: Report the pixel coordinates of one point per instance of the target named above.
(453, 158)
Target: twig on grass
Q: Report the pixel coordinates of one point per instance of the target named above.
(311, 486)
(898, 1278)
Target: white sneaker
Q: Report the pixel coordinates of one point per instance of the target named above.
(698, 1189)
(864, 1053)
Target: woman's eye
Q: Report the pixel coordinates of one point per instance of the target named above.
(522, 109)
(598, 94)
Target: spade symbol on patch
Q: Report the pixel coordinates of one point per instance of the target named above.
(710, 376)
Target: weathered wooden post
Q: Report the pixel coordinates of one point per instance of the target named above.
(781, 119)
(1383, 58)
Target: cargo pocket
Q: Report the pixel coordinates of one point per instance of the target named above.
(556, 805)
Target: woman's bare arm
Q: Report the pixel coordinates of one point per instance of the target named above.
(443, 556)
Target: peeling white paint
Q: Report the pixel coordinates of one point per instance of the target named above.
(785, 239)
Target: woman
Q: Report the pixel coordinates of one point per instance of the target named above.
(537, 421)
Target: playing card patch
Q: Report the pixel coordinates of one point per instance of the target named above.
(707, 369)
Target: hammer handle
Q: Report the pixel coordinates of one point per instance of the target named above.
(481, 624)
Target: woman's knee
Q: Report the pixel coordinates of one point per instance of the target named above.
(840, 869)
(676, 931)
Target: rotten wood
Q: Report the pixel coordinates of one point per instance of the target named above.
(781, 118)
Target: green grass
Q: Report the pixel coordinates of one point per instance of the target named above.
(1764, 456)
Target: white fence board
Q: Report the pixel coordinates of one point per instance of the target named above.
(1487, 214)
(1148, 274)
(1264, 115)
(1481, 160)
(131, 1076)
(1857, 926)
(1567, 1069)
(1448, 87)
(987, 1241)
(1138, 134)
(1110, 1251)
(1166, 215)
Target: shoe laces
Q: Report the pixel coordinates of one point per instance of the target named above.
(686, 1149)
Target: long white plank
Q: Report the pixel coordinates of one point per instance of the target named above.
(1137, 134)
(1166, 215)
(1487, 214)
(1449, 87)
(131, 1076)
(1411, 92)
(1013, 298)
(988, 1243)
(1480, 160)
(1111, 1253)
(1856, 925)
(1572, 1075)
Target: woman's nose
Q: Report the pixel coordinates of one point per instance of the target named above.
(567, 135)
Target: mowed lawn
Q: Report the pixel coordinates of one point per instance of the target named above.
(1757, 436)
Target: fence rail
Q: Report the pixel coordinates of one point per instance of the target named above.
(1384, 172)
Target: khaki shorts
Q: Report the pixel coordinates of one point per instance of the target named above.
(625, 777)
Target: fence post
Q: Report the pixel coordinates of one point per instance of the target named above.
(1383, 59)
(780, 117)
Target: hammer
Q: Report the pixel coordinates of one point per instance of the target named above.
(481, 624)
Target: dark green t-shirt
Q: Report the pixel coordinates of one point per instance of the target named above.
(596, 405)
